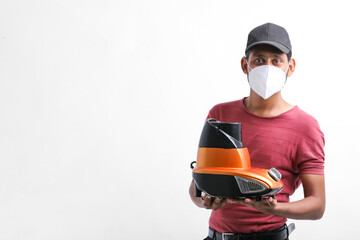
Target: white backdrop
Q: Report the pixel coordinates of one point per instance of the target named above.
(102, 104)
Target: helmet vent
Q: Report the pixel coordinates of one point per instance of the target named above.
(249, 186)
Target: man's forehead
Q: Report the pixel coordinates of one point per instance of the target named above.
(267, 50)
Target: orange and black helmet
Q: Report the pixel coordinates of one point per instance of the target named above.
(223, 166)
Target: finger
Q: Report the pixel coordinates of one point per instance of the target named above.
(217, 200)
(219, 203)
(215, 203)
(271, 202)
(207, 202)
(248, 200)
(268, 202)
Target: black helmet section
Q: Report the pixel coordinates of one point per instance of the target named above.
(228, 186)
(218, 134)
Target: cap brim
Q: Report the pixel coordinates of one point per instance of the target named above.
(279, 46)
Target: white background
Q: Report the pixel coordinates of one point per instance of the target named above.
(102, 104)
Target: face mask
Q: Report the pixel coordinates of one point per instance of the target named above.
(266, 80)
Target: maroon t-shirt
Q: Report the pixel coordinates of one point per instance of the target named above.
(292, 142)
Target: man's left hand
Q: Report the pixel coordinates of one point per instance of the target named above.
(266, 206)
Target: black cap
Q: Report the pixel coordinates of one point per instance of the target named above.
(269, 34)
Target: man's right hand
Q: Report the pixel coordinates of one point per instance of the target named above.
(214, 203)
(206, 202)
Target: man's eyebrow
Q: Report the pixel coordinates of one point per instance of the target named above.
(276, 55)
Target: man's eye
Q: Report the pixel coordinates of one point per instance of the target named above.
(277, 61)
(258, 61)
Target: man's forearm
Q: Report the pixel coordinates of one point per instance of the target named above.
(308, 208)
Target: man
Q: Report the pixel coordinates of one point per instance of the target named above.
(278, 135)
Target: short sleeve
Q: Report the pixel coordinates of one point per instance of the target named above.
(310, 156)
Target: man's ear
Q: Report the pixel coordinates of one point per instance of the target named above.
(244, 65)
(292, 65)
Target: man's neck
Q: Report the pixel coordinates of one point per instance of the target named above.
(273, 106)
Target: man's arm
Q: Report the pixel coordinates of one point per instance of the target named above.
(312, 206)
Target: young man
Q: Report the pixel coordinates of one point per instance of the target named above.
(278, 135)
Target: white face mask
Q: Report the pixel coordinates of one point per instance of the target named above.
(266, 80)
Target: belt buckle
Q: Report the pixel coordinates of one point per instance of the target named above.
(224, 235)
